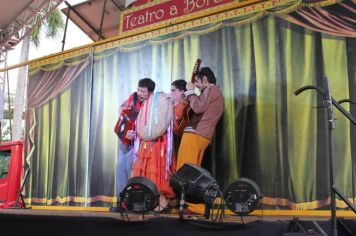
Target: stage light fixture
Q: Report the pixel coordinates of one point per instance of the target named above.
(140, 195)
(242, 196)
(194, 184)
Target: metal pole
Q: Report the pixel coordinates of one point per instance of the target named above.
(65, 30)
(331, 157)
(352, 159)
(332, 193)
(11, 114)
(102, 21)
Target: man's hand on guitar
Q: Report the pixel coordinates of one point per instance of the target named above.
(190, 86)
(130, 134)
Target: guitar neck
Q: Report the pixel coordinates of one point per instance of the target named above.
(193, 78)
(195, 70)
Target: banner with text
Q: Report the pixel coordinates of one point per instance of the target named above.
(165, 13)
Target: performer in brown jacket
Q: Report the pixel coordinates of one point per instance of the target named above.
(207, 110)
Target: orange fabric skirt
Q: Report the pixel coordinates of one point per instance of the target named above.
(151, 163)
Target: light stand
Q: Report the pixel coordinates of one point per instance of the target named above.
(183, 187)
(330, 101)
(208, 199)
(122, 209)
(194, 184)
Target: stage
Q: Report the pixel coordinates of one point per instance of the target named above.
(54, 222)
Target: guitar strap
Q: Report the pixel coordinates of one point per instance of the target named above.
(135, 98)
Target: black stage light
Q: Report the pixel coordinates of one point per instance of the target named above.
(140, 195)
(242, 196)
(195, 185)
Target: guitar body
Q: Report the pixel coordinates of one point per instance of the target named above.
(125, 123)
(187, 115)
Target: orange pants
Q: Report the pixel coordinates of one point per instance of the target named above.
(191, 149)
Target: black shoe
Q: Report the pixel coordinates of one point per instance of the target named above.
(166, 210)
(163, 210)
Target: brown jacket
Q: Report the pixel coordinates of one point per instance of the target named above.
(208, 108)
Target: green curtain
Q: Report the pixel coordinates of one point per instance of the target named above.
(267, 134)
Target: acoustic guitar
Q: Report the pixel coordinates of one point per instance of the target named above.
(187, 110)
(126, 122)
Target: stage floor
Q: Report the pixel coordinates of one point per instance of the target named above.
(54, 222)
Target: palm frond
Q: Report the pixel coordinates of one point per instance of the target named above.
(36, 35)
(53, 26)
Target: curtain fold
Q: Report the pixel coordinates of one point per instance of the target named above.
(338, 19)
(48, 84)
